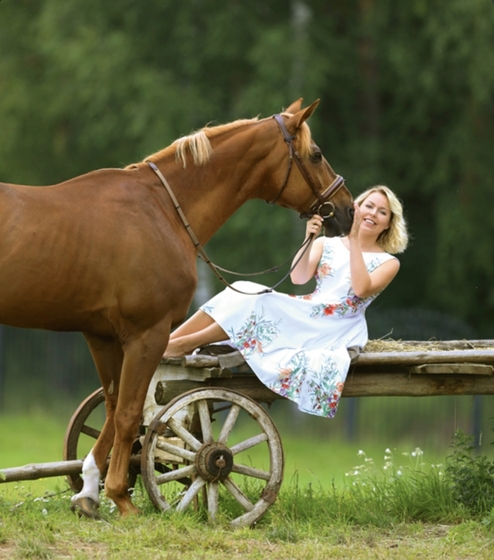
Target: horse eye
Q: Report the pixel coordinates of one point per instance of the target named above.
(316, 157)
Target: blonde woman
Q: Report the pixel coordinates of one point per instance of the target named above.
(297, 345)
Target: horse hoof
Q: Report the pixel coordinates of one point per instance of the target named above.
(86, 507)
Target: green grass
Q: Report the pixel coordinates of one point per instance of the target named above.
(38, 438)
(335, 503)
(301, 525)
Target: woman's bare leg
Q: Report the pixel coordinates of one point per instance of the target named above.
(182, 345)
(195, 323)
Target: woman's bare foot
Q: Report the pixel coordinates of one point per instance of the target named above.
(177, 348)
(180, 346)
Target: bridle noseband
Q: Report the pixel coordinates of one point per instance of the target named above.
(322, 205)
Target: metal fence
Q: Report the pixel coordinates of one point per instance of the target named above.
(43, 369)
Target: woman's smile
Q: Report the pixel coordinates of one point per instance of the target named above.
(375, 211)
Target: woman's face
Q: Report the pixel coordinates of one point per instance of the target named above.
(376, 213)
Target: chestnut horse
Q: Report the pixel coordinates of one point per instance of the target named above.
(106, 254)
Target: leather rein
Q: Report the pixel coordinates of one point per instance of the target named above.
(322, 206)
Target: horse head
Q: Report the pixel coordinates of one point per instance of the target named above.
(313, 188)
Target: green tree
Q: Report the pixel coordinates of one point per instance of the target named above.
(407, 95)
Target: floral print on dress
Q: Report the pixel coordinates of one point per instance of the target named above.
(325, 389)
(374, 263)
(290, 377)
(349, 306)
(324, 268)
(306, 297)
(256, 333)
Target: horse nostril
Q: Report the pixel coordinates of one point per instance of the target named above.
(351, 213)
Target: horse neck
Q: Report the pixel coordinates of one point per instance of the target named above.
(210, 194)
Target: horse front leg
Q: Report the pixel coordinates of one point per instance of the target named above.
(108, 357)
(141, 358)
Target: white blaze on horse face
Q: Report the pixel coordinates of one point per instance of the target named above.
(92, 477)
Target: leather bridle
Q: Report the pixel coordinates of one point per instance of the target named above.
(322, 205)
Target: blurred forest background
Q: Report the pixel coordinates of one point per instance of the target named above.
(407, 100)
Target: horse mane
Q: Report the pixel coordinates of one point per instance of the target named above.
(199, 145)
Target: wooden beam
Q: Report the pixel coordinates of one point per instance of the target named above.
(426, 385)
(484, 356)
(467, 369)
(46, 470)
(40, 470)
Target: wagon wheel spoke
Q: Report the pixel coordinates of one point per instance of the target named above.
(205, 418)
(176, 451)
(177, 474)
(213, 498)
(248, 443)
(238, 494)
(91, 432)
(191, 493)
(251, 471)
(182, 433)
(229, 423)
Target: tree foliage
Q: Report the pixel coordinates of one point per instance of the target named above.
(406, 90)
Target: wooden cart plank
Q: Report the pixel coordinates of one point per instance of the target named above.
(468, 369)
(404, 385)
(484, 356)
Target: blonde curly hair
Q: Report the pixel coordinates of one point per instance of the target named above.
(394, 239)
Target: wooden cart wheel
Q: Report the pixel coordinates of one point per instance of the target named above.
(206, 464)
(82, 432)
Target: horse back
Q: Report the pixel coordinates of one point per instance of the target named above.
(95, 249)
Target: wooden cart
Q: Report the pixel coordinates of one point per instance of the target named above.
(206, 440)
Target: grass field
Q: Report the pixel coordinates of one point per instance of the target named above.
(38, 438)
(310, 520)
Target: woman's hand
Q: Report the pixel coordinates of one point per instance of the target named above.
(314, 226)
(357, 220)
(309, 255)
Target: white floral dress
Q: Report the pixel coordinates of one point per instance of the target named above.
(297, 345)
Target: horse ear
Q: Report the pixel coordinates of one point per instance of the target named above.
(294, 107)
(294, 122)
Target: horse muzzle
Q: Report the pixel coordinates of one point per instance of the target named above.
(336, 222)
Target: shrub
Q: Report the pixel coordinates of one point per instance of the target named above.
(471, 477)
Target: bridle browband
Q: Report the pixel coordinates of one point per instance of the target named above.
(322, 205)
(322, 200)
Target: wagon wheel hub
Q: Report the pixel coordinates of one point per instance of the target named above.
(214, 461)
